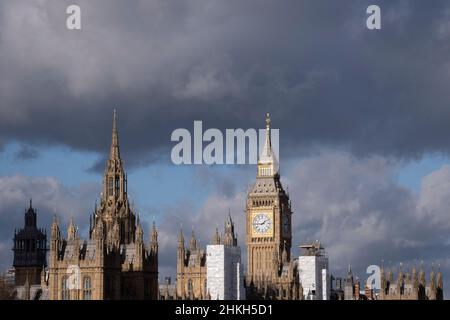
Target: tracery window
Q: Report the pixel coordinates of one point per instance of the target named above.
(87, 288)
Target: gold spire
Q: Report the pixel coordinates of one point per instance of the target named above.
(268, 144)
(267, 157)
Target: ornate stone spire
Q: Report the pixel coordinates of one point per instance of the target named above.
(268, 163)
(114, 152)
(180, 239)
(415, 280)
(216, 237)
(154, 238)
(390, 277)
(139, 231)
(382, 276)
(71, 230)
(229, 236)
(439, 280)
(192, 242)
(400, 276)
(115, 182)
(114, 205)
(422, 280)
(349, 273)
(55, 234)
(30, 216)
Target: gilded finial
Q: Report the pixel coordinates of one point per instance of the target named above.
(267, 120)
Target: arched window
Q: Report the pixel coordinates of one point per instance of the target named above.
(189, 287)
(110, 186)
(117, 186)
(87, 288)
(64, 289)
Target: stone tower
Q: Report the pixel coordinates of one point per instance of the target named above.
(114, 204)
(30, 248)
(269, 232)
(268, 216)
(114, 263)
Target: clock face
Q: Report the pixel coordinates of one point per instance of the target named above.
(285, 223)
(262, 223)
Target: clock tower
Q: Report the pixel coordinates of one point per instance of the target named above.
(268, 212)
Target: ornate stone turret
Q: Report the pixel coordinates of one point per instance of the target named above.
(440, 283)
(400, 279)
(55, 234)
(154, 239)
(30, 248)
(411, 286)
(390, 277)
(216, 237)
(432, 285)
(414, 279)
(422, 281)
(192, 242)
(349, 274)
(71, 231)
(440, 286)
(139, 232)
(30, 216)
(229, 235)
(382, 279)
(180, 253)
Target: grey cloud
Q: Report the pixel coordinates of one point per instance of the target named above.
(326, 80)
(353, 205)
(363, 216)
(50, 197)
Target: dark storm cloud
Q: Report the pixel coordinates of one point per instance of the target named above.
(325, 78)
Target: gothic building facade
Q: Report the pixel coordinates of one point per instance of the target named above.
(411, 285)
(191, 270)
(114, 262)
(191, 283)
(271, 272)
